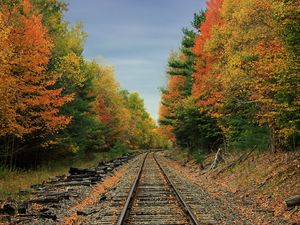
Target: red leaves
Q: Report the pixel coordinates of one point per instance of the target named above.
(212, 18)
(203, 87)
(170, 98)
(172, 95)
(26, 6)
(104, 116)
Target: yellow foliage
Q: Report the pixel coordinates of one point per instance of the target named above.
(70, 68)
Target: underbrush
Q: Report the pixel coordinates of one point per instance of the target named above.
(177, 154)
(16, 184)
(185, 155)
(267, 178)
(270, 174)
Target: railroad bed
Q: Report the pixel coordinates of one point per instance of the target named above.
(152, 199)
(146, 191)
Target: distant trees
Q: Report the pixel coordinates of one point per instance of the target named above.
(52, 99)
(246, 76)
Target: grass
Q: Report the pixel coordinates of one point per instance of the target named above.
(179, 155)
(12, 182)
(182, 155)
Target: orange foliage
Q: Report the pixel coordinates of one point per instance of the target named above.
(204, 87)
(172, 95)
(104, 116)
(170, 99)
(166, 132)
(33, 103)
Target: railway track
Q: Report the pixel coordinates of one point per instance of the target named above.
(154, 200)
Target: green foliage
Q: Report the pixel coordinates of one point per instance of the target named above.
(195, 129)
(119, 149)
(198, 155)
(85, 131)
(249, 137)
(182, 64)
(199, 18)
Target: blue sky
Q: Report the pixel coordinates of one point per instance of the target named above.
(136, 36)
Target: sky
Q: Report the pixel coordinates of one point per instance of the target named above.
(136, 37)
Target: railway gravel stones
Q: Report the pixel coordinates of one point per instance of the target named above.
(154, 201)
(206, 206)
(110, 210)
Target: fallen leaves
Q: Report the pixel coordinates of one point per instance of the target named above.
(242, 186)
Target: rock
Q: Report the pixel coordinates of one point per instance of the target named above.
(9, 208)
(48, 215)
(102, 198)
(22, 209)
(74, 171)
(102, 169)
(101, 172)
(44, 210)
(109, 169)
(87, 212)
(81, 213)
(44, 200)
(292, 201)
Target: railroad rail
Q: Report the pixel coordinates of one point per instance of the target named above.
(154, 199)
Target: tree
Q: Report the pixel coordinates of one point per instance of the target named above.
(34, 104)
(206, 88)
(141, 130)
(86, 131)
(195, 129)
(175, 118)
(111, 107)
(254, 67)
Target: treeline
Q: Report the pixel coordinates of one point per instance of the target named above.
(235, 81)
(53, 102)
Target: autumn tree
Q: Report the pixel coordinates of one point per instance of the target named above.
(252, 67)
(53, 101)
(190, 126)
(142, 126)
(34, 104)
(111, 107)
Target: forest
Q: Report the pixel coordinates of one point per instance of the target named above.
(54, 103)
(234, 83)
(78, 148)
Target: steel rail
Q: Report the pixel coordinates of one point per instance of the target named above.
(131, 194)
(184, 205)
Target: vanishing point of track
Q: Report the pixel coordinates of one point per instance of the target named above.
(153, 199)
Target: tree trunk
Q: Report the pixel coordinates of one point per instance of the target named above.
(273, 141)
(6, 152)
(11, 162)
(218, 159)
